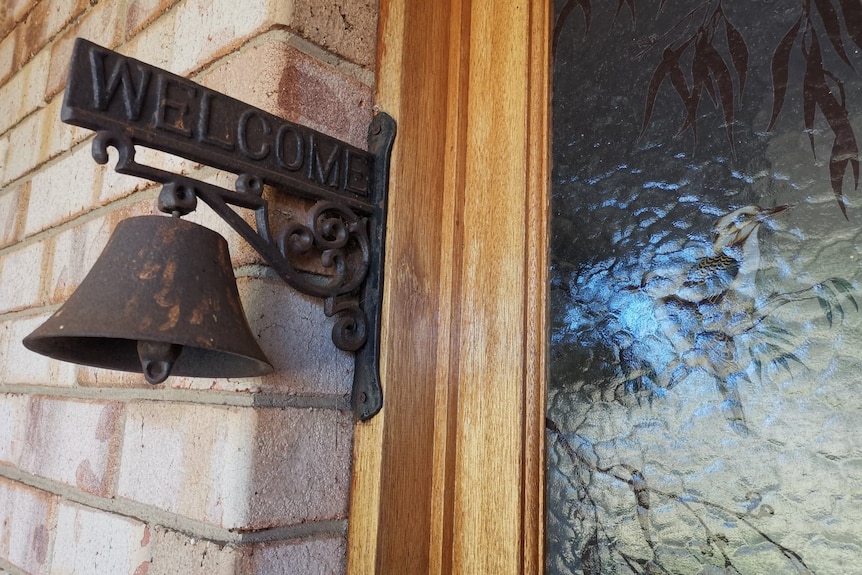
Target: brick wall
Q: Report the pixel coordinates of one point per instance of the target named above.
(101, 473)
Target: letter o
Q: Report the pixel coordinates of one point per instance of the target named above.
(295, 163)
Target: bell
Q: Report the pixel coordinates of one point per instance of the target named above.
(162, 300)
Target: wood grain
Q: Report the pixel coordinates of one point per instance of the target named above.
(448, 478)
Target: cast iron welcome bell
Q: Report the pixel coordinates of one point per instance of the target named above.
(162, 298)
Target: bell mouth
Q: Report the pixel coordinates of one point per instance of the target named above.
(161, 281)
(122, 355)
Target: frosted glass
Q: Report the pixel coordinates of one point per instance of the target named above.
(704, 411)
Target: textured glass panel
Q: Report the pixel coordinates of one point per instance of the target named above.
(704, 406)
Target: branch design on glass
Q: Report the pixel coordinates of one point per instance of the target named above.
(333, 235)
(705, 52)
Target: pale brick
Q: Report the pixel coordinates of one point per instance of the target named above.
(42, 23)
(101, 25)
(24, 148)
(207, 29)
(115, 185)
(25, 514)
(4, 161)
(60, 137)
(18, 365)
(24, 92)
(20, 274)
(17, 9)
(73, 442)
(155, 43)
(348, 28)
(141, 13)
(14, 411)
(12, 213)
(237, 467)
(295, 335)
(63, 190)
(7, 57)
(175, 553)
(92, 542)
(319, 556)
(77, 249)
(298, 88)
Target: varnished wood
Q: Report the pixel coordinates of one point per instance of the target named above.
(448, 478)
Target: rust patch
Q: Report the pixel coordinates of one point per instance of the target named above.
(149, 270)
(173, 319)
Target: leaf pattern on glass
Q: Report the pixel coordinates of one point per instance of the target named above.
(701, 53)
(601, 546)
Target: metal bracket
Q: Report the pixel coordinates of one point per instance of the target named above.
(130, 104)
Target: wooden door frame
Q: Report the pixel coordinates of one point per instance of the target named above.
(448, 478)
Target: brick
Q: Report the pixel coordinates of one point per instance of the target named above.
(20, 278)
(77, 249)
(63, 190)
(12, 213)
(175, 553)
(237, 468)
(14, 410)
(24, 148)
(295, 335)
(18, 365)
(17, 9)
(141, 13)
(319, 556)
(24, 93)
(102, 25)
(298, 88)
(73, 442)
(4, 148)
(25, 520)
(60, 137)
(46, 20)
(115, 185)
(92, 542)
(208, 29)
(154, 44)
(348, 28)
(7, 57)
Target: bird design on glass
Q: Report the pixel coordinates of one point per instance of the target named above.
(703, 310)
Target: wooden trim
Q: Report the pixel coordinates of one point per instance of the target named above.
(448, 478)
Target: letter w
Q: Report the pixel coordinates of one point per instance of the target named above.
(103, 91)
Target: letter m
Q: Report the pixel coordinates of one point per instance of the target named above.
(104, 88)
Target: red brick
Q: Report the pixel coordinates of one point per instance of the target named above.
(348, 28)
(296, 87)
